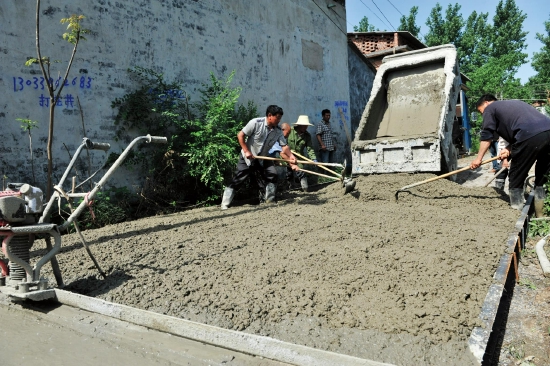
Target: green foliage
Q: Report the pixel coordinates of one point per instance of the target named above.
(443, 31)
(27, 124)
(527, 283)
(539, 228)
(475, 46)
(74, 28)
(542, 227)
(540, 83)
(211, 153)
(45, 60)
(202, 137)
(110, 206)
(409, 23)
(475, 141)
(508, 35)
(364, 26)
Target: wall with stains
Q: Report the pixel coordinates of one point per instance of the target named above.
(292, 53)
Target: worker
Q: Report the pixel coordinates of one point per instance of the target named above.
(299, 140)
(261, 134)
(327, 146)
(528, 133)
(504, 163)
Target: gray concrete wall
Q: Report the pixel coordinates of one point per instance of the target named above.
(361, 79)
(292, 53)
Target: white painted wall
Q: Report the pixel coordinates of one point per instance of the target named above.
(292, 53)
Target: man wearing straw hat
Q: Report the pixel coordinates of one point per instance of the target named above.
(299, 140)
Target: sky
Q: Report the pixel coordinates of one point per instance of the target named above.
(386, 14)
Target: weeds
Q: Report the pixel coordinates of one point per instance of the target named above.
(527, 283)
(517, 351)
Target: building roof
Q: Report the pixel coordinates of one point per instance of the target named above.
(411, 40)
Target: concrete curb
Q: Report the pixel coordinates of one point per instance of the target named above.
(482, 339)
(237, 341)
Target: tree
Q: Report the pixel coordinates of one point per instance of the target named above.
(443, 31)
(508, 35)
(28, 125)
(409, 23)
(540, 83)
(364, 26)
(493, 54)
(73, 36)
(475, 46)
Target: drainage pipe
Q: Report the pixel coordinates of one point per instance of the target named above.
(543, 259)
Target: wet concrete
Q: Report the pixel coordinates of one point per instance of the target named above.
(51, 334)
(361, 274)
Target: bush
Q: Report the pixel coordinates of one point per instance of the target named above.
(202, 145)
(110, 206)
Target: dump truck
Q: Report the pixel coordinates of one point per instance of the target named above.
(407, 124)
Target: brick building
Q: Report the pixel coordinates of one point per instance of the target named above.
(375, 45)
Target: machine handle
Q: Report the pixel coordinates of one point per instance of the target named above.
(157, 139)
(100, 146)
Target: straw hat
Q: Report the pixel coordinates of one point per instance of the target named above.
(303, 121)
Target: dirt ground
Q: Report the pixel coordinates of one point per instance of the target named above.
(362, 274)
(527, 337)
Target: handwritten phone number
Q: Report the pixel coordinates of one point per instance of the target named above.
(19, 83)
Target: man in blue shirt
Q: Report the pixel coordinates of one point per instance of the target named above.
(528, 134)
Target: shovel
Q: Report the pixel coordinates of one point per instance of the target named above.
(441, 176)
(495, 176)
(347, 183)
(300, 161)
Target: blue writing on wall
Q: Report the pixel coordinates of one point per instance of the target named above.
(343, 105)
(21, 84)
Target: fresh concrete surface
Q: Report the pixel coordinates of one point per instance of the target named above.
(54, 334)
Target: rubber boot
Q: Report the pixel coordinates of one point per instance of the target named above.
(228, 195)
(516, 198)
(303, 183)
(499, 184)
(540, 196)
(270, 190)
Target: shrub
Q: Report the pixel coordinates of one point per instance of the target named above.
(202, 145)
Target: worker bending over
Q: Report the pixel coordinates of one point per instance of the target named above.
(528, 133)
(299, 140)
(261, 134)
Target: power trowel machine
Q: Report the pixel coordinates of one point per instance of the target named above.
(23, 218)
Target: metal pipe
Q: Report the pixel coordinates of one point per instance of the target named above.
(45, 259)
(86, 142)
(102, 181)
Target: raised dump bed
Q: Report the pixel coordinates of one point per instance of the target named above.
(407, 123)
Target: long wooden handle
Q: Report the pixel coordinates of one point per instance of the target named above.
(327, 169)
(495, 176)
(343, 118)
(319, 174)
(298, 161)
(445, 175)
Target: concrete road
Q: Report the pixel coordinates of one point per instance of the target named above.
(52, 334)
